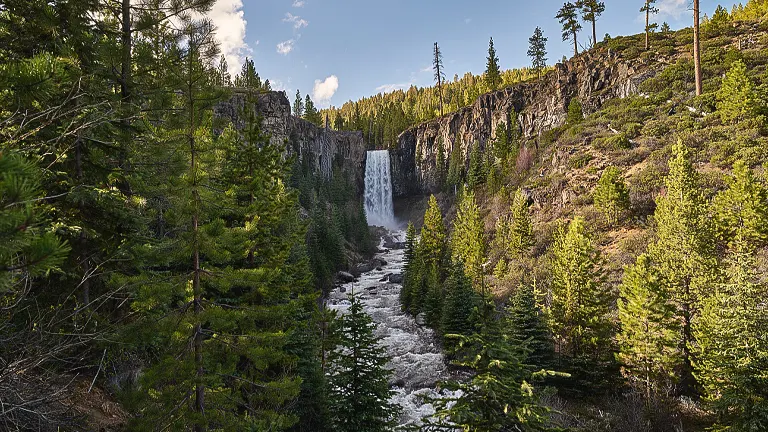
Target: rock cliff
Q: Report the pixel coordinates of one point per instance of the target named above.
(541, 105)
(322, 147)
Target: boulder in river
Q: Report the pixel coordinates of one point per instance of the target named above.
(345, 277)
(396, 278)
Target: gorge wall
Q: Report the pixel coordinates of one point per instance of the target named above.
(322, 147)
(592, 77)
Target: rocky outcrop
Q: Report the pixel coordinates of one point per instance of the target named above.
(541, 105)
(322, 147)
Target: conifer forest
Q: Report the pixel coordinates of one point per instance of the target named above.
(570, 244)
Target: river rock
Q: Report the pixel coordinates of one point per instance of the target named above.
(345, 277)
(396, 278)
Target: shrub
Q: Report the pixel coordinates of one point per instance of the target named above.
(575, 112)
(632, 130)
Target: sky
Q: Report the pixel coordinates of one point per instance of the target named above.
(340, 50)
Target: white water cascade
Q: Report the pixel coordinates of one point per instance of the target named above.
(378, 190)
(417, 363)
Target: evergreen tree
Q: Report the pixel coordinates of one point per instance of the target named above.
(248, 77)
(575, 112)
(697, 48)
(467, 241)
(359, 394)
(526, 326)
(737, 99)
(649, 331)
(684, 249)
(475, 174)
(741, 211)
(433, 241)
(649, 9)
(30, 248)
(439, 71)
(224, 79)
(521, 232)
(455, 168)
(579, 307)
(537, 51)
(569, 19)
(499, 395)
(665, 28)
(731, 351)
(492, 71)
(311, 114)
(590, 12)
(298, 105)
(611, 195)
(440, 165)
(461, 305)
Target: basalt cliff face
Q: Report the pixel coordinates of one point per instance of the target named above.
(322, 147)
(593, 78)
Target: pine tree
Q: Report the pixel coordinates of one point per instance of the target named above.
(499, 395)
(569, 19)
(579, 307)
(526, 326)
(731, 351)
(521, 233)
(590, 12)
(248, 77)
(648, 341)
(29, 248)
(649, 10)
(665, 28)
(467, 241)
(440, 164)
(433, 241)
(684, 249)
(737, 99)
(475, 174)
(461, 305)
(492, 71)
(224, 79)
(697, 48)
(438, 69)
(537, 51)
(575, 112)
(611, 195)
(741, 211)
(298, 105)
(359, 394)
(455, 168)
(311, 114)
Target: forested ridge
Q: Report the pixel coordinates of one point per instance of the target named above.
(161, 269)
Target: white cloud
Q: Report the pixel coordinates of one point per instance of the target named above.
(387, 88)
(324, 90)
(298, 3)
(228, 17)
(467, 20)
(279, 85)
(296, 20)
(672, 8)
(285, 47)
(426, 69)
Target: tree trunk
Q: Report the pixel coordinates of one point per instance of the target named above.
(125, 72)
(594, 32)
(697, 47)
(647, 23)
(575, 45)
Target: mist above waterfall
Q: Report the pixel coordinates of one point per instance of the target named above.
(378, 190)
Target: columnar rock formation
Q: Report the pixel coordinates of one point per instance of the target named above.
(541, 105)
(322, 147)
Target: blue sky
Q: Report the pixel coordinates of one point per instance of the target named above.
(338, 50)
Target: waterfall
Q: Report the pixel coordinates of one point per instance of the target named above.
(378, 190)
